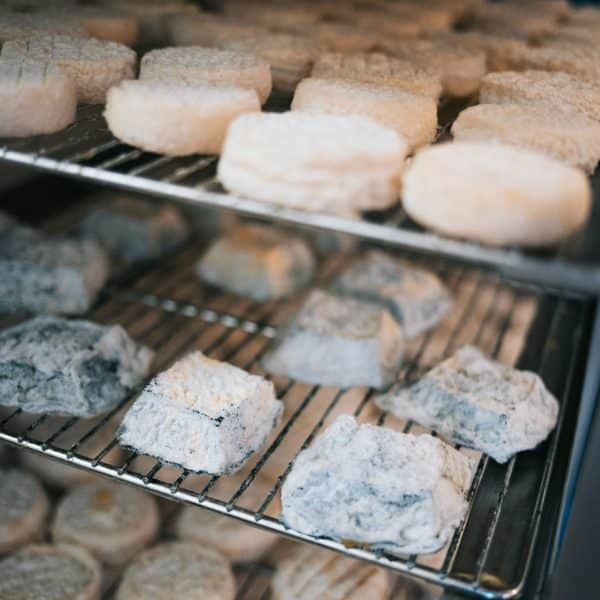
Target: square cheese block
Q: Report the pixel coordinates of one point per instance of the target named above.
(135, 229)
(415, 297)
(49, 275)
(202, 415)
(397, 492)
(69, 367)
(479, 403)
(338, 341)
(258, 261)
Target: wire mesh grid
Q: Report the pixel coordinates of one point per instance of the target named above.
(87, 150)
(168, 309)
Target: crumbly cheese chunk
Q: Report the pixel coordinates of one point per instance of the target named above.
(338, 341)
(203, 415)
(416, 297)
(399, 492)
(68, 367)
(49, 275)
(479, 403)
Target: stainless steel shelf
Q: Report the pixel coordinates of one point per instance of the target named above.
(86, 150)
(167, 308)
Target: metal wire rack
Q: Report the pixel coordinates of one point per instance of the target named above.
(87, 150)
(164, 306)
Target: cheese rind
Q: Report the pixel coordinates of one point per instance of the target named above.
(69, 367)
(338, 341)
(415, 297)
(479, 403)
(258, 261)
(135, 230)
(203, 415)
(398, 492)
(49, 275)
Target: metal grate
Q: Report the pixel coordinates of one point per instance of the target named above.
(167, 308)
(87, 150)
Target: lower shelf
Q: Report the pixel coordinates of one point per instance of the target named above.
(167, 308)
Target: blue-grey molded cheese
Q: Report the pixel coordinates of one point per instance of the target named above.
(135, 229)
(69, 367)
(49, 275)
(398, 492)
(416, 297)
(479, 403)
(338, 341)
(258, 261)
(203, 415)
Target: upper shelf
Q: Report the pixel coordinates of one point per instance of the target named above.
(87, 150)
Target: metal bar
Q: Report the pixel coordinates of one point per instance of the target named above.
(93, 152)
(149, 166)
(183, 172)
(120, 159)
